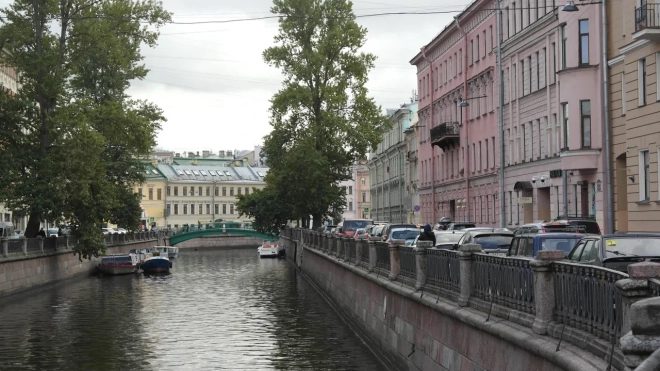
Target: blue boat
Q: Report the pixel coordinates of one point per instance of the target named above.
(156, 263)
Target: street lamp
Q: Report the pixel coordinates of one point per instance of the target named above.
(463, 102)
(569, 7)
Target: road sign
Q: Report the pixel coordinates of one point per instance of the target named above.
(366, 210)
(152, 219)
(416, 208)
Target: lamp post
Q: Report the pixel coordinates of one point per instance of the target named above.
(500, 113)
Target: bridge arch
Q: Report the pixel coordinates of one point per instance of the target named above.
(204, 233)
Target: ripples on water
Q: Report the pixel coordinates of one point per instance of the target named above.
(219, 310)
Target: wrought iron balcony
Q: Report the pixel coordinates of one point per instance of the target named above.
(446, 135)
(647, 22)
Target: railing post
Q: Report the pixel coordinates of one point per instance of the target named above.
(5, 248)
(544, 289)
(25, 246)
(466, 264)
(41, 243)
(644, 337)
(358, 250)
(340, 247)
(420, 261)
(395, 259)
(635, 288)
(373, 257)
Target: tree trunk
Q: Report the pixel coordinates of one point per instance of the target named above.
(317, 222)
(32, 227)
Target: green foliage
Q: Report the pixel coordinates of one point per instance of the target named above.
(322, 118)
(269, 213)
(72, 138)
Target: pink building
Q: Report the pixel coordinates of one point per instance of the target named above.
(552, 111)
(458, 151)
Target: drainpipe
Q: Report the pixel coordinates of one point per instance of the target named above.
(500, 113)
(433, 207)
(467, 131)
(167, 183)
(609, 198)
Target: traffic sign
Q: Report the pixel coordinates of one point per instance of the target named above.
(152, 219)
(366, 210)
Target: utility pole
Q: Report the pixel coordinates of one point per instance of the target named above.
(500, 112)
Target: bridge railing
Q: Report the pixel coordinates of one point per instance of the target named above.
(556, 298)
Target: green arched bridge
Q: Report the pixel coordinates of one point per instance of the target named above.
(180, 237)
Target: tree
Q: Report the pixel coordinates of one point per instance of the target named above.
(71, 137)
(322, 117)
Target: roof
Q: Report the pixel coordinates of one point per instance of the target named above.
(217, 173)
(153, 173)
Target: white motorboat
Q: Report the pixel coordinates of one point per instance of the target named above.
(270, 249)
(170, 251)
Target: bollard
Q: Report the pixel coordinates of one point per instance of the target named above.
(544, 289)
(420, 261)
(466, 264)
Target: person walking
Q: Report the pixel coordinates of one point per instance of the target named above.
(427, 234)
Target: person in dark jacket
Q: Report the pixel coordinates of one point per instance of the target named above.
(427, 234)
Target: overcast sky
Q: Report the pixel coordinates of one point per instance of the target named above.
(215, 88)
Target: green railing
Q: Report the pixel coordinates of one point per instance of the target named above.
(180, 236)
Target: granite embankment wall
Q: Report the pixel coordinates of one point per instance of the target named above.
(220, 241)
(424, 332)
(22, 274)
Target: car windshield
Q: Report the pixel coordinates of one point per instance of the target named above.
(566, 228)
(629, 246)
(352, 225)
(493, 241)
(563, 244)
(406, 234)
(447, 237)
(459, 227)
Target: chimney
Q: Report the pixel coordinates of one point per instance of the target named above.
(177, 154)
(221, 154)
(205, 154)
(229, 153)
(197, 153)
(191, 155)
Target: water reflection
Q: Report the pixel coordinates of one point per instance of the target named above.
(217, 310)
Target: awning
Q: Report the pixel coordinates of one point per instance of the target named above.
(522, 185)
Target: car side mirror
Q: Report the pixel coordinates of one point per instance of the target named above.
(455, 246)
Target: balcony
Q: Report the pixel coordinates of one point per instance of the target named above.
(647, 22)
(446, 135)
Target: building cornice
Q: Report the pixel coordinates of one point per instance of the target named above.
(633, 46)
(616, 61)
(521, 38)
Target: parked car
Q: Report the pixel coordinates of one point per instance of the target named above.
(360, 233)
(445, 239)
(121, 231)
(389, 227)
(377, 231)
(616, 251)
(495, 241)
(51, 232)
(108, 230)
(328, 228)
(459, 226)
(527, 245)
(442, 224)
(585, 226)
(407, 234)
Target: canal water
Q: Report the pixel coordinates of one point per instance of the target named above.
(218, 310)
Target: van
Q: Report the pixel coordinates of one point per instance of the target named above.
(7, 230)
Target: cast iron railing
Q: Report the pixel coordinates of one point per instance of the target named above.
(587, 299)
(364, 257)
(509, 280)
(349, 250)
(443, 269)
(383, 256)
(408, 263)
(444, 130)
(654, 286)
(646, 16)
(16, 247)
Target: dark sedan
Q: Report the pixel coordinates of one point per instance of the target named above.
(616, 251)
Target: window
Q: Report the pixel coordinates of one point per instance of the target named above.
(641, 81)
(200, 209)
(513, 13)
(208, 191)
(350, 205)
(490, 32)
(239, 190)
(548, 138)
(657, 76)
(216, 209)
(350, 190)
(151, 194)
(494, 153)
(538, 71)
(176, 209)
(529, 74)
(508, 26)
(522, 77)
(216, 191)
(480, 157)
(524, 142)
(231, 191)
(176, 191)
(483, 39)
(159, 194)
(478, 48)
(168, 191)
(459, 61)
(192, 209)
(563, 47)
(529, 12)
(471, 52)
(140, 193)
(231, 208)
(199, 191)
(168, 209)
(584, 42)
(515, 146)
(487, 157)
(247, 190)
(644, 175)
(224, 191)
(564, 128)
(224, 209)
(208, 208)
(364, 196)
(585, 108)
(553, 71)
(185, 191)
(557, 133)
(185, 209)
(623, 91)
(363, 181)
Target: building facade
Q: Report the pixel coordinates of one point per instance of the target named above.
(634, 69)
(387, 169)
(553, 121)
(457, 155)
(412, 146)
(193, 191)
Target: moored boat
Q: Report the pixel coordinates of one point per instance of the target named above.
(156, 263)
(269, 249)
(119, 264)
(170, 251)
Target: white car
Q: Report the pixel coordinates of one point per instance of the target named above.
(121, 231)
(108, 230)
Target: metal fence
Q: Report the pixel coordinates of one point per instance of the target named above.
(332, 246)
(408, 263)
(15, 247)
(349, 250)
(587, 299)
(383, 256)
(509, 280)
(654, 286)
(364, 257)
(443, 269)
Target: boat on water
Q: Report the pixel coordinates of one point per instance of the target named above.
(270, 249)
(156, 263)
(169, 251)
(119, 264)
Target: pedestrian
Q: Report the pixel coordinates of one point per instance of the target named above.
(42, 233)
(427, 234)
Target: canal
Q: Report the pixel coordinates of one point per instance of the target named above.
(218, 310)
